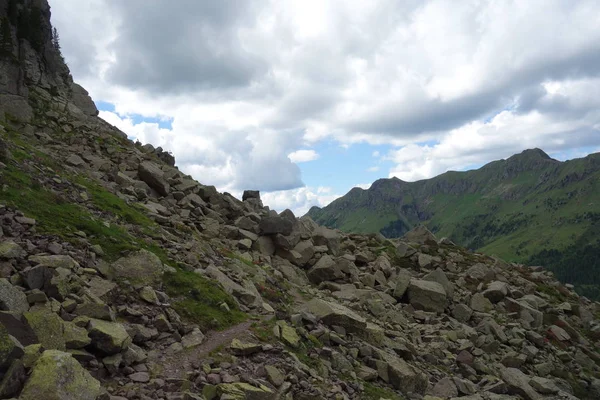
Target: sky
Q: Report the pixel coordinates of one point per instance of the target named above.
(305, 99)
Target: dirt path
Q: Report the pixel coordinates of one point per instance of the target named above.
(176, 365)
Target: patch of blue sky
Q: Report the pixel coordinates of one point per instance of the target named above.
(163, 122)
(341, 168)
(511, 107)
(570, 154)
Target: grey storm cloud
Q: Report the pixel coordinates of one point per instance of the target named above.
(177, 47)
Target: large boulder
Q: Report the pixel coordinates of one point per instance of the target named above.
(8, 248)
(440, 277)
(426, 295)
(405, 377)
(496, 291)
(151, 173)
(48, 328)
(517, 383)
(275, 225)
(247, 295)
(82, 100)
(326, 269)
(108, 337)
(402, 281)
(11, 298)
(58, 376)
(17, 327)
(141, 267)
(323, 236)
(420, 235)
(335, 314)
(10, 348)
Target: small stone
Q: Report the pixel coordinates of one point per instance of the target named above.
(149, 295)
(245, 349)
(274, 375)
(140, 377)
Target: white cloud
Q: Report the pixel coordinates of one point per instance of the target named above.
(247, 85)
(373, 169)
(303, 156)
(507, 133)
(363, 185)
(299, 200)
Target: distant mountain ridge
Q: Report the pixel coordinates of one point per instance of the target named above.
(528, 208)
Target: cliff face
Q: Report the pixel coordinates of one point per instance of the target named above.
(31, 67)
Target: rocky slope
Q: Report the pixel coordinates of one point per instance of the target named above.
(123, 278)
(529, 208)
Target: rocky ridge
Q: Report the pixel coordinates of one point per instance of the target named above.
(123, 278)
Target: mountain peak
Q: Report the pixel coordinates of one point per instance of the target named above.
(535, 153)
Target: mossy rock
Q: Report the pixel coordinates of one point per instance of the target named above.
(10, 348)
(75, 336)
(244, 391)
(9, 249)
(108, 337)
(288, 334)
(48, 327)
(58, 376)
(141, 267)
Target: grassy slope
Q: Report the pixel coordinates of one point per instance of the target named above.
(28, 184)
(528, 208)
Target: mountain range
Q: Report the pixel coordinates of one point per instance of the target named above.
(528, 208)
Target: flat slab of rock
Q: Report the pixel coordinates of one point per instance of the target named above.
(335, 314)
(426, 295)
(154, 177)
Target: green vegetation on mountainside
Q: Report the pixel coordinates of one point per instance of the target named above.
(73, 205)
(528, 208)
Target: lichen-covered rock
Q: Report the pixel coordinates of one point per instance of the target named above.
(55, 261)
(9, 249)
(108, 337)
(13, 380)
(480, 303)
(243, 348)
(75, 336)
(142, 267)
(10, 348)
(244, 391)
(58, 376)
(48, 327)
(11, 298)
(287, 334)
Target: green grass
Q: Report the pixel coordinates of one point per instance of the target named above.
(55, 215)
(106, 201)
(199, 300)
(373, 392)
